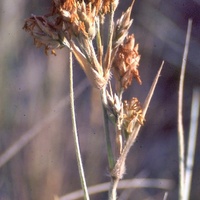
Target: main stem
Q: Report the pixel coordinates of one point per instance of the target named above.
(75, 134)
(113, 189)
(110, 155)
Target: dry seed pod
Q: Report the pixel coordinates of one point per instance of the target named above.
(94, 72)
(122, 27)
(132, 113)
(44, 33)
(126, 63)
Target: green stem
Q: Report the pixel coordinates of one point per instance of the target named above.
(110, 155)
(75, 134)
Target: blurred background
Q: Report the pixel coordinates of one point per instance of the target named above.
(34, 104)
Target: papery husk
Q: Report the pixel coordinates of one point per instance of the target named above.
(97, 79)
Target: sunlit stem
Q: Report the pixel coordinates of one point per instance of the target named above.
(181, 143)
(75, 133)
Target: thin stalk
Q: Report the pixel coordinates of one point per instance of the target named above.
(181, 144)
(113, 189)
(75, 134)
(194, 119)
(110, 38)
(110, 155)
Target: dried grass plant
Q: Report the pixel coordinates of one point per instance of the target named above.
(111, 65)
(78, 25)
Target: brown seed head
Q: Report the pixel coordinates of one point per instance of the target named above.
(59, 5)
(73, 23)
(126, 63)
(132, 113)
(122, 27)
(44, 33)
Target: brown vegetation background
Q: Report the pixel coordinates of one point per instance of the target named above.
(32, 84)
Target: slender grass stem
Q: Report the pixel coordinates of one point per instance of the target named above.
(114, 182)
(194, 119)
(110, 155)
(108, 140)
(113, 189)
(181, 144)
(75, 134)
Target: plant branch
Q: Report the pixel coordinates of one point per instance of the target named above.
(119, 169)
(120, 164)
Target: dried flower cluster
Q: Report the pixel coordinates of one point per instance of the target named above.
(132, 113)
(126, 63)
(78, 25)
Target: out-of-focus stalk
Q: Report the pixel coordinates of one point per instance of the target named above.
(181, 144)
(194, 120)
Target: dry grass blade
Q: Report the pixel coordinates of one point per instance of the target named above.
(33, 132)
(165, 196)
(181, 144)
(194, 119)
(164, 184)
(151, 91)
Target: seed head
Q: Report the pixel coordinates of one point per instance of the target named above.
(44, 33)
(122, 27)
(132, 114)
(126, 63)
